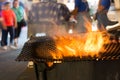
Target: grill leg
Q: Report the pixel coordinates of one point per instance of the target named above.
(44, 73)
(36, 71)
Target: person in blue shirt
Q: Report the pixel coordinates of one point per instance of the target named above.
(81, 13)
(101, 15)
(82, 5)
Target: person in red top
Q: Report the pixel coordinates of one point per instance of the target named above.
(10, 23)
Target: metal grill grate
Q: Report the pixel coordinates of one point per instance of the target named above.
(46, 44)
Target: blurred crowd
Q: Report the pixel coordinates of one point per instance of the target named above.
(80, 15)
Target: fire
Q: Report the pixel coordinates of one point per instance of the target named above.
(80, 45)
(93, 43)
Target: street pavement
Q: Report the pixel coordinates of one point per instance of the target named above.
(9, 68)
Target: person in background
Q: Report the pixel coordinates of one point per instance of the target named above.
(19, 11)
(101, 15)
(9, 24)
(48, 17)
(81, 13)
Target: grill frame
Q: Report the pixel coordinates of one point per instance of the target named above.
(46, 43)
(81, 70)
(92, 63)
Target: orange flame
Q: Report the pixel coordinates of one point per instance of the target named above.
(80, 45)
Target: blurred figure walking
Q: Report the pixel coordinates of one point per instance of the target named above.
(20, 12)
(9, 24)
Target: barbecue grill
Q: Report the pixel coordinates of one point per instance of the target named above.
(106, 66)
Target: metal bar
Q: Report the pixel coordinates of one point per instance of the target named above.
(36, 71)
(44, 74)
